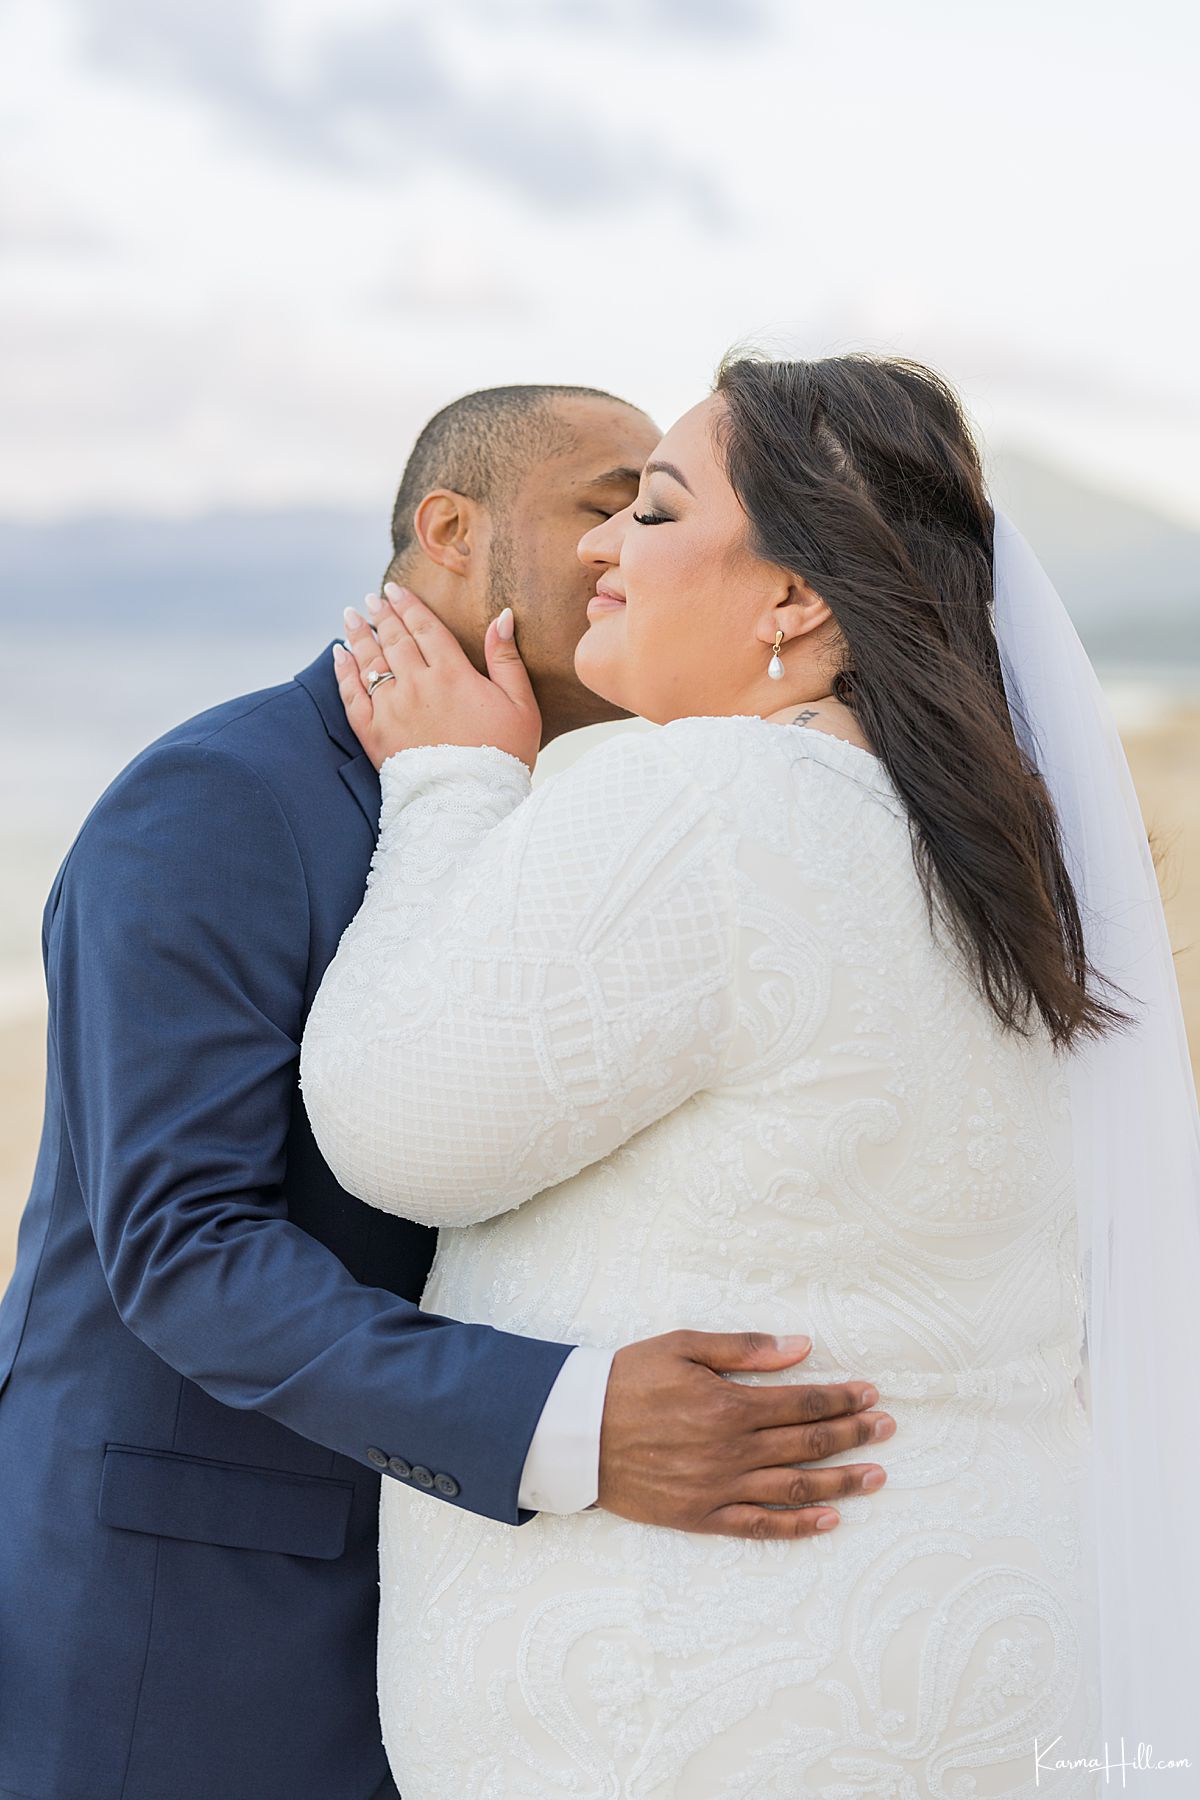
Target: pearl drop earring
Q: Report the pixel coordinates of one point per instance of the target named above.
(775, 666)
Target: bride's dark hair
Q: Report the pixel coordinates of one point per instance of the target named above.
(860, 474)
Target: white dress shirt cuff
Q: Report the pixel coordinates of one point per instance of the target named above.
(562, 1469)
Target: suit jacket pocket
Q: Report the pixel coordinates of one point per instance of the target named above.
(177, 1496)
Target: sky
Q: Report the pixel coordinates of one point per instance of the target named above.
(248, 246)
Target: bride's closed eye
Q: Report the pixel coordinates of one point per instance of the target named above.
(652, 518)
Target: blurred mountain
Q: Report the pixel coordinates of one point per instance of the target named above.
(1130, 577)
(226, 571)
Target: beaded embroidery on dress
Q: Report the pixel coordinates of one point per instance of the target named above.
(672, 1042)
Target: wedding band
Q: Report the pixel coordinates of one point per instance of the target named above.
(377, 676)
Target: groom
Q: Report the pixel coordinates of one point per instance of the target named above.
(209, 1353)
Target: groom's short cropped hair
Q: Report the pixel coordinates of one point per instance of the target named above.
(480, 446)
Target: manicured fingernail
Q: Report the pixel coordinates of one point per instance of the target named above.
(354, 621)
(874, 1479)
(373, 604)
(827, 1521)
(393, 590)
(340, 655)
(504, 625)
(793, 1346)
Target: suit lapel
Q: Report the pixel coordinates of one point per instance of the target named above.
(320, 684)
(363, 782)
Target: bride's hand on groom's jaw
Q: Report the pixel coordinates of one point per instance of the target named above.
(431, 692)
(680, 1446)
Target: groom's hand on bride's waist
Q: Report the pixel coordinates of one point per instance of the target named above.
(680, 1446)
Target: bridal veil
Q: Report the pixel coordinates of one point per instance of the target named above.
(1137, 1169)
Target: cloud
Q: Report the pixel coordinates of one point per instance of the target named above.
(44, 227)
(719, 18)
(390, 78)
(382, 94)
(683, 18)
(219, 51)
(221, 55)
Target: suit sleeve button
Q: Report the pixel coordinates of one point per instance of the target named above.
(376, 1456)
(399, 1467)
(446, 1484)
(422, 1476)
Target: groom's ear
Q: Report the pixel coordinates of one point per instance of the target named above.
(446, 526)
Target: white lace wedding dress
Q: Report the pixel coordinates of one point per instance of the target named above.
(673, 1043)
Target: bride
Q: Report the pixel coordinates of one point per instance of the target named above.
(771, 1013)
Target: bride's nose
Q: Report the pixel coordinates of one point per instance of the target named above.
(600, 548)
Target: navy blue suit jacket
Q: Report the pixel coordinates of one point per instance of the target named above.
(208, 1350)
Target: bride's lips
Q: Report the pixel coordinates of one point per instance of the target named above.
(602, 601)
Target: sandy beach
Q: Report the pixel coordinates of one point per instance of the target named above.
(1164, 754)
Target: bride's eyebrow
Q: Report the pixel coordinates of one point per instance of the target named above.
(666, 468)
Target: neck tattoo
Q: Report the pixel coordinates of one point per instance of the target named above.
(802, 718)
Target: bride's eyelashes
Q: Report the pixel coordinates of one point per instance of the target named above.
(651, 518)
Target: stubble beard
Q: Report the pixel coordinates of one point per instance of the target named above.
(502, 573)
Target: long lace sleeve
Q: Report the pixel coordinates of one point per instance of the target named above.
(531, 979)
